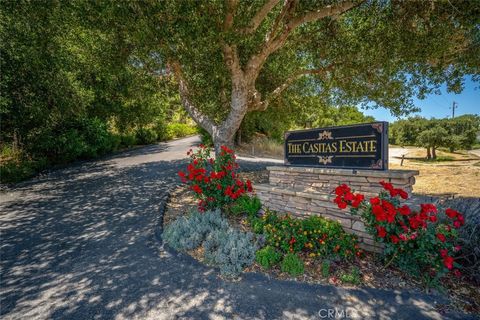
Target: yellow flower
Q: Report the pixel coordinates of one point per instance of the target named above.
(305, 233)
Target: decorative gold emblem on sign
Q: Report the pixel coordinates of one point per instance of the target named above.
(325, 159)
(324, 135)
(377, 165)
(378, 127)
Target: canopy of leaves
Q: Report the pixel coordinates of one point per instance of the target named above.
(381, 53)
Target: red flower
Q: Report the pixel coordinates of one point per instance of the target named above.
(348, 196)
(342, 189)
(196, 188)
(374, 201)
(358, 200)
(394, 239)
(451, 213)
(405, 210)
(441, 237)
(428, 207)
(448, 262)
(249, 186)
(457, 224)
(380, 215)
(239, 183)
(443, 253)
(457, 248)
(219, 187)
(343, 205)
(387, 186)
(402, 194)
(381, 231)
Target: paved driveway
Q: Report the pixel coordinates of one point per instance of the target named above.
(78, 244)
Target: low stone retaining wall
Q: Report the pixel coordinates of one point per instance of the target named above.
(304, 191)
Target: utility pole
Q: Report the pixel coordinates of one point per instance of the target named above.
(454, 106)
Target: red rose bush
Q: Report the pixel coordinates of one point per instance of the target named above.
(416, 241)
(214, 182)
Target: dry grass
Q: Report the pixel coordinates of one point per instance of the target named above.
(261, 146)
(456, 178)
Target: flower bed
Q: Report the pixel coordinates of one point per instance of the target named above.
(316, 249)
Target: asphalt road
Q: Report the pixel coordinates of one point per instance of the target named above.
(78, 243)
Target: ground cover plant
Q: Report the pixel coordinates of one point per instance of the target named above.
(229, 249)
(416, 241)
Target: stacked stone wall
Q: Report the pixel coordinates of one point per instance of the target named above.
(304, 191)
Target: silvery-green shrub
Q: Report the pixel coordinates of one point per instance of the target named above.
(189, 232)
(231, 250)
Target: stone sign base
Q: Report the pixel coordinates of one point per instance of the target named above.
(305, 191)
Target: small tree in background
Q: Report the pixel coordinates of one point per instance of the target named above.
(432, 139)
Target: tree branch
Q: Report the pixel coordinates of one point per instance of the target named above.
(273, 44)
(328, 11)
(192, 110)
(231, 6)
(262, 105)
(259, 17)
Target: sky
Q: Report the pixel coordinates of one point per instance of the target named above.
(440, 106)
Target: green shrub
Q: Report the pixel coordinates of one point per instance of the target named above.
(315, 235)
(179, 130)
(326, 268)
(292, 265)
(146, 136)
(352, 277)
(246, 204)
(231, 250)
(128, 140)
(15, 171)
(267, 257)
(81, 138)
(190, 232)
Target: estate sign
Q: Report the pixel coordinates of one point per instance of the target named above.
(362, 146)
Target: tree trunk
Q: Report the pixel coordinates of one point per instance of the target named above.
(429, 155)
(434, 153)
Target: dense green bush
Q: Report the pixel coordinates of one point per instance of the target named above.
(79, 138)
(268, 257)
(179, 130)
(14, 171)
(292, 265)
(146, 135)
(231, 250)
(128, 140)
